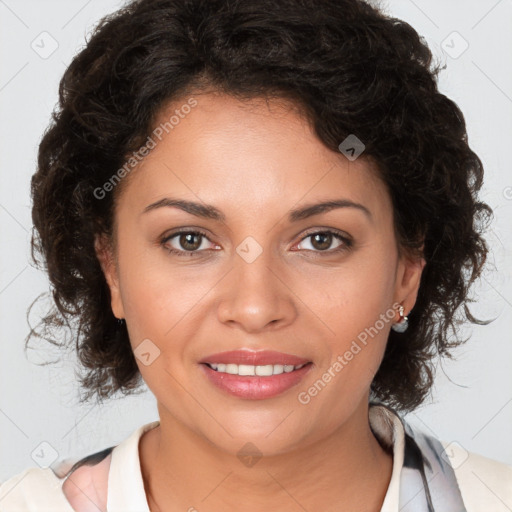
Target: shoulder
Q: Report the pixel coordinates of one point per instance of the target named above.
(485, 483)
(86, 485)
(83, 486)
(31, 490)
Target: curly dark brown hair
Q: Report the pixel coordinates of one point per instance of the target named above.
(350, 67)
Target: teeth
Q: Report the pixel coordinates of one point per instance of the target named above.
(264, 371)
(248, 369)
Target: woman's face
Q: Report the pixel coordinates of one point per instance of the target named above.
(259, 279)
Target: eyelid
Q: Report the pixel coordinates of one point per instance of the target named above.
(345, 238)
(313, 231)
(195, 231)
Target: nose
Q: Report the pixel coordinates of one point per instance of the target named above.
(255, 295)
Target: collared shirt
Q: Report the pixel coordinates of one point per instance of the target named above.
(427, 475)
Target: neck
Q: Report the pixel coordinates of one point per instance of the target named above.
(182, 471)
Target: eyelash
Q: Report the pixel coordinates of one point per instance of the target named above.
(346, 246)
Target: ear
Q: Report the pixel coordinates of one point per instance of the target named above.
(107, 260)
(408, 277)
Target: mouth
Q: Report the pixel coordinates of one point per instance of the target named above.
(254, 375)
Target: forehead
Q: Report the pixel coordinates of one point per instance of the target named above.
(254, 152)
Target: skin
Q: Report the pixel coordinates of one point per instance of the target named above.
(255, 161)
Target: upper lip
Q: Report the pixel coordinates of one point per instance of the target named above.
(255, 358)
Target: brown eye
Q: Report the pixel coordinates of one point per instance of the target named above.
(190, 241)
(186, 243)
(321, 241)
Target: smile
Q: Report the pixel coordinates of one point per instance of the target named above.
(254, 382)
(252, 370)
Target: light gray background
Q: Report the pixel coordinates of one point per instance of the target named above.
(472, 399)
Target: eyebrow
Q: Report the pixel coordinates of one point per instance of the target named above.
(211, 212)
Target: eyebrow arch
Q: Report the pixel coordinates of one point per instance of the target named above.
(210, 212)
(197, 209)
(314, 209)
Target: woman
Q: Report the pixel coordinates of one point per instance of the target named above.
(269, 213)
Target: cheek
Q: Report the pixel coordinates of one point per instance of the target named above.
(163, 302)
(154, 304)
(360, 329)
(354, 297)
(157, 312)
(149, 293)
(147, 286)
(356, 306)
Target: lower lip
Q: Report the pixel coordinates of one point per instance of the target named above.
(253, 387)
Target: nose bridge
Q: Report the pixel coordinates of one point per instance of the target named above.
(255, 296)
(255, 268)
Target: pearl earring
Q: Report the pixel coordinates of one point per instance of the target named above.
(402, 324)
